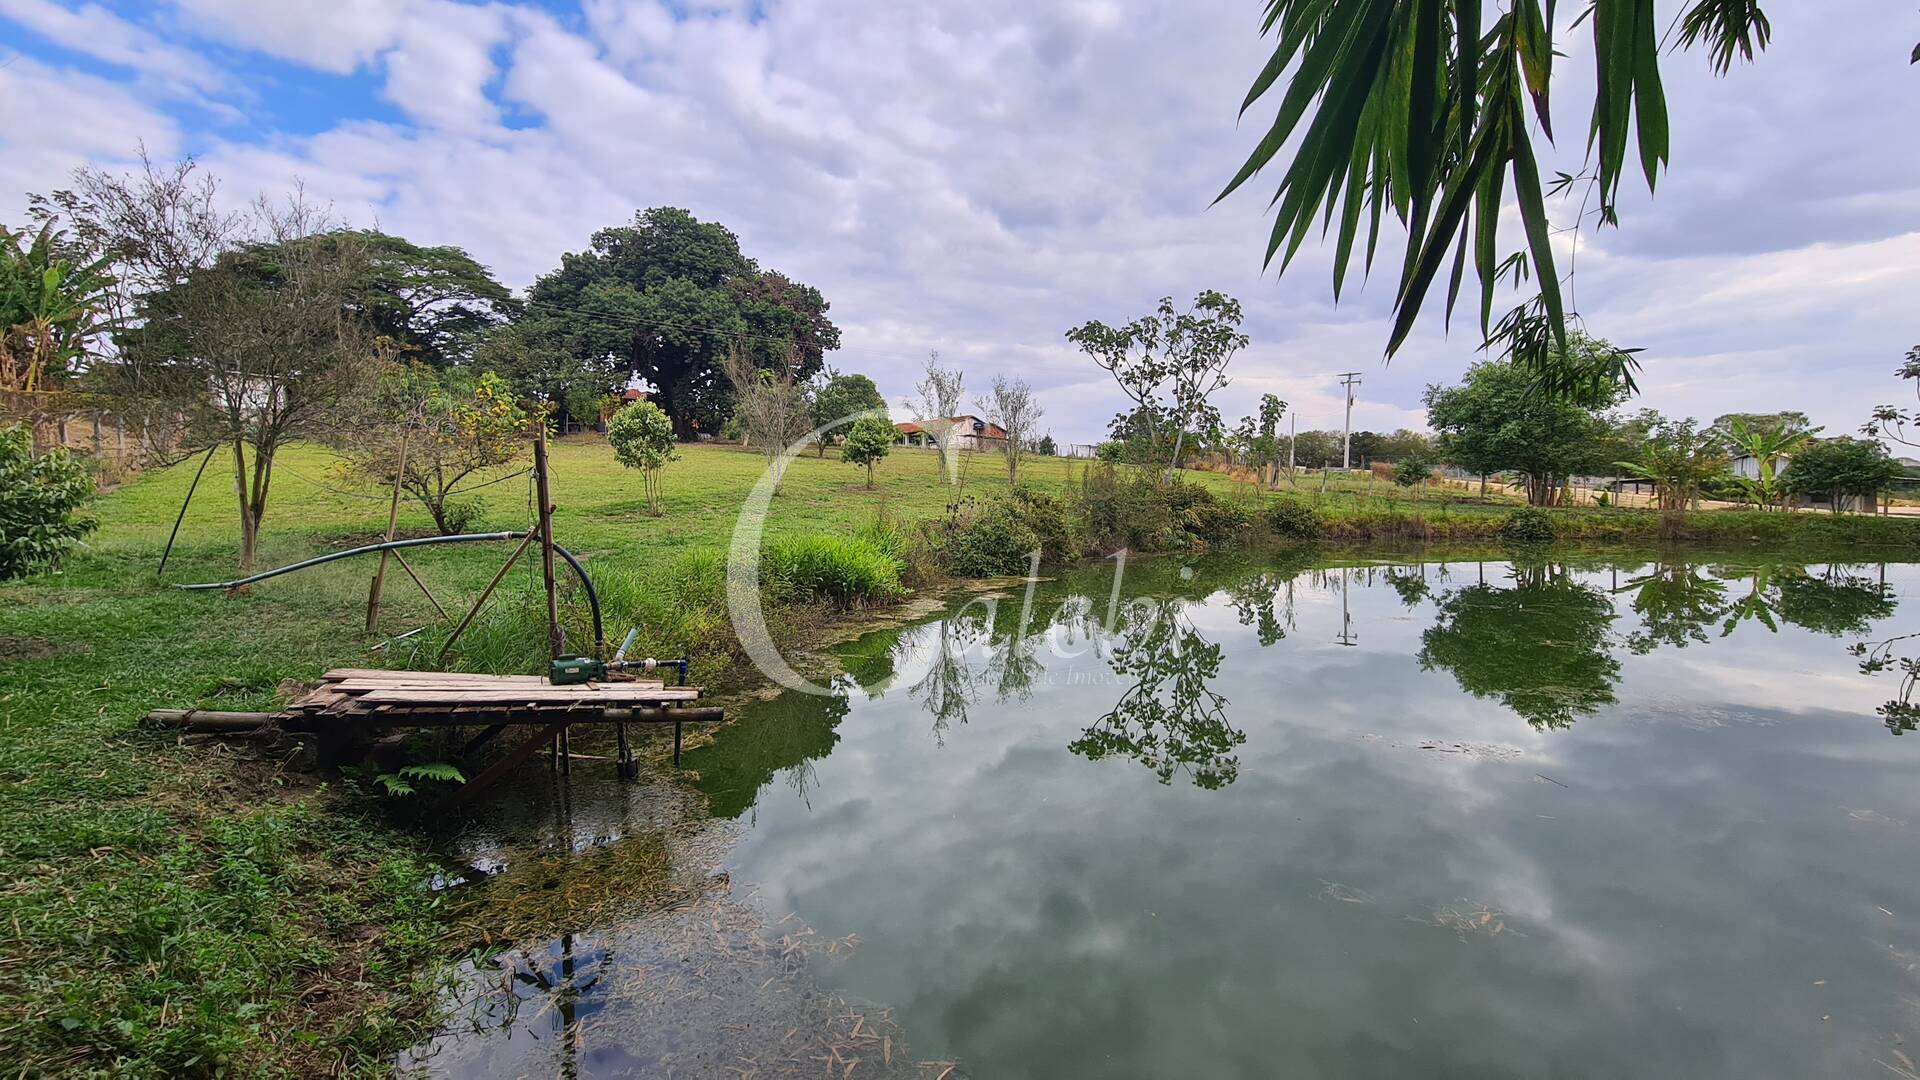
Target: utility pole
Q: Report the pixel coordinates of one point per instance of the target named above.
(1293, 431)
(1348, 379)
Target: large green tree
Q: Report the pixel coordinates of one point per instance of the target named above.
(1497, 421)
(437, 303)
(1428, 111)
(669, 296)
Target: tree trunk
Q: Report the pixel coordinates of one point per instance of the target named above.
(249, 531)
(869, 476)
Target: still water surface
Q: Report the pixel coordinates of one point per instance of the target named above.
(1447, 818)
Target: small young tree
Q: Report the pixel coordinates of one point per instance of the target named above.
(642, 438)
(1411, 470)
(256, 350)
(1012, 406)
(939, 391)
(1170, 363)
(436, 430)
(1046, 447)
(771, 405)
(1766, 445)
(1257, 439)
(842, 395)
(869, 440)
(39, 497)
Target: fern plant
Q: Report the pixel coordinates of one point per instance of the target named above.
(399, 783)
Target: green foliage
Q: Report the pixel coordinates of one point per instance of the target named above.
(642, 438)
(688, 282)
(1046, 447)
(1766, 440)
(1423, 110)
(1540, 647)
(1677, 458)
(869, 440)
(999, 537)
(51, 309)
(1169, 364)
(450, 426)
(436, 303)
(40, 496)
(1836, 469)
(1497, 420)
(843, 570)
(1257, 438)
(1527, 525)
(1293, 519)
(989, 541)
(1205, 519)
(842, 395)
(399, 783)
(1412, 469)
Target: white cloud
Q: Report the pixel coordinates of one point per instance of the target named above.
(977, 178)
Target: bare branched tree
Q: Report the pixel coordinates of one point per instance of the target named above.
(1011, 404)
(255, 348)
(771, 405)
(939, 391)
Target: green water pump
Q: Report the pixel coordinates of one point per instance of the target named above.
(574, 670)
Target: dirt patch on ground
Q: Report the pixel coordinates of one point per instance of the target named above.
(15, 649)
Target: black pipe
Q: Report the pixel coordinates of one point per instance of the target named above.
(593, 598)
(191, 488)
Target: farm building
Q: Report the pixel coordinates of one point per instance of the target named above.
(964, 432)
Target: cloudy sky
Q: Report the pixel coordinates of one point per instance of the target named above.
(978, 177)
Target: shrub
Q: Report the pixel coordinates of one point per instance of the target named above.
(843, 569)
(1206, 519)
(1119, 509)
(1293, 520)
(989, 541)
(1527, 525)
(1050, 521)
(38, 499)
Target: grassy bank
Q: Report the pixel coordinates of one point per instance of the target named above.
(178, 909)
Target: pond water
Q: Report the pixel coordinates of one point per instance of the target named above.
(1475, 818)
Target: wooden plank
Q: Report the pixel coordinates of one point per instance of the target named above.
(342, 674)
(471, 683)
(554, 695)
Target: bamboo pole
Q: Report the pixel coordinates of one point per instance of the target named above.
(484, 593)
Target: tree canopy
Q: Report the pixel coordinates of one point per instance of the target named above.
(670, 296)
(437, 303)
(1496, 421)
(1837, 469)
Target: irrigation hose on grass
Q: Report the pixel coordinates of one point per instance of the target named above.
(593, 598)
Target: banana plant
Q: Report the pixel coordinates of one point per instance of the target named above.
(52, 309)
(1767, 447)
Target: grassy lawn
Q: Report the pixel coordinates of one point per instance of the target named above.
(172, 909)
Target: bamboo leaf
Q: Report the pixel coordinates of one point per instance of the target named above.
(1650, 100)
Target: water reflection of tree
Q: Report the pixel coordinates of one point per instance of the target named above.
(947, 690)
(1264, 602)
(1836, 603)
(1169, 719)
(1676, 604)
(1900, 712)
(1540, 647)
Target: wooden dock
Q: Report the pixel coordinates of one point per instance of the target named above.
(349, 703)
